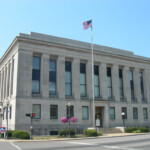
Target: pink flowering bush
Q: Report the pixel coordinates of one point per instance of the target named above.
(73, 119)
(64, 120)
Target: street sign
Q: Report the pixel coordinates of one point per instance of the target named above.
(2, 129)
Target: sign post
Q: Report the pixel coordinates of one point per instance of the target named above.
(3, 130)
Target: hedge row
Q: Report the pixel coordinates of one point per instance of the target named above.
(90, 132)
(139, 129)
(17, 134)
(65, 132)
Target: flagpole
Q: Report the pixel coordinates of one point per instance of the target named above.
(93, 124)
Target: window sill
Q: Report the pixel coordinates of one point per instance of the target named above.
(37, 95)
(69, 96)
(53, 118)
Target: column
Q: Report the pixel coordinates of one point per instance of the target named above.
(126, 83)
(136, 80)
(10, 86)
(106, 117)
(76, 78)
(89, 83)
(146, 82)
(115, 83)
(0, 84)
(45, 75)
(103, 81)
(61, 76)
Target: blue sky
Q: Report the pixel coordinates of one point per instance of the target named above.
(123, 24)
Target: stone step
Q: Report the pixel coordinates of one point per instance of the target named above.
(110, 130)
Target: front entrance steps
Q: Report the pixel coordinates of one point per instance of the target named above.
(110, 130)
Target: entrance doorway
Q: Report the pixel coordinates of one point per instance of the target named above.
(99, 114)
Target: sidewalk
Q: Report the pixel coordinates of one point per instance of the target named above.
(68, 139)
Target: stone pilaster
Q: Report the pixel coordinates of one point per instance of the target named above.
(126, 83)
(76, 78)
(45, 75)
(136, 80)
(103, 81)
(61, 76)
(115, 83)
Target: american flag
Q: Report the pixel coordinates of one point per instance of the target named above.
(87, 24)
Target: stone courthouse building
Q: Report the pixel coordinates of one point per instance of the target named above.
(40, 74)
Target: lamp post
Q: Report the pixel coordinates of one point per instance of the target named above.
(69, 105)
(123, 115)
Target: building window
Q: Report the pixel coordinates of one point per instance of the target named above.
(83, 80)
(52, 77)
(10, 112)
(71, 111)
(5, 82)
(112, 113)
(8, 83)
(4, 113)
(36, 108)
(135, 113)
(142, 85)
(36, 75)
(85, 112)
(12, 77)
(121, 84)
(109, 83)
(96, 81)
(131, 85)
(2, 85)
(124, 110)
(145, 113)
(68, 79)
(53, 111)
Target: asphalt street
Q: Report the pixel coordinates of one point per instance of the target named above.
(138, 142)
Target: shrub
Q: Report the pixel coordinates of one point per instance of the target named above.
(65, 132)
(99, 133)
(136, 131)
(142, 129)
(90, 132)
(20, 134)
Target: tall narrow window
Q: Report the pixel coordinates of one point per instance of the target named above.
(142, 85)
(112, 113)
(82, 79)
(2, 95)
(71, 111)
(36, 75)
(124, 109)
(109, 83)
(96, 81)
(12, 77)
(36, 108)
(135, 113)
(53, 111)
(131, 85)
(52, 77)
(5, 83)
(8, 83)
(145, 113)
(68, 79)
(10, 112)
(121, 84)
(0, 87)
(85, 112)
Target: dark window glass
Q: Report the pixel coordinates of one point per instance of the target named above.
(71, 111)
(121, 84)
(112, 113)
(145, 113)
(36, 108)
(68, 66)
(132, 85)
(96, 81)
(82, 68)
(142, 85)
(53, 111)
(124, 109)
(36, 75)
(82, 79)
(96, 70)
(85, 112)
(135, 113)
(52, 77)
(109, 83)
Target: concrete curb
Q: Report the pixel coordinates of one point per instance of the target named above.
(74, 139)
